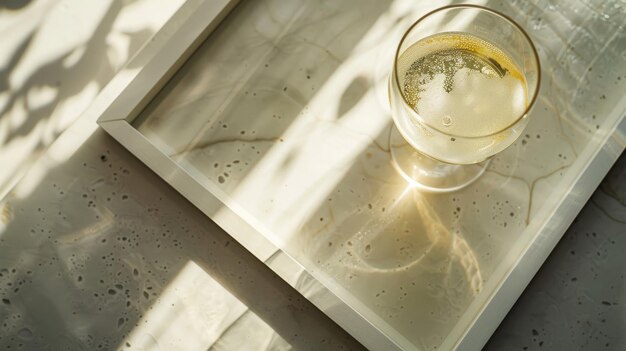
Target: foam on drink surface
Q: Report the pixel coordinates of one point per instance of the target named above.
(462, 85)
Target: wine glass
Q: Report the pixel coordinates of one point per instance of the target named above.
(464, 80)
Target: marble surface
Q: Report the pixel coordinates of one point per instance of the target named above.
(97, 252)
(295, 136)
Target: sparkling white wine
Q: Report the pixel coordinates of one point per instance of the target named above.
(462, 86)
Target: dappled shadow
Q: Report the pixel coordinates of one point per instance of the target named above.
(35, 112)
(10, 66)
(49, 76)
(14, 4)
(115, 240)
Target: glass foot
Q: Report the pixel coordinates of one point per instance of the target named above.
(429, 174)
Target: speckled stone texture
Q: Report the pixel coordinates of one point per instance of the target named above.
(577, 300)
(103, 254)
(97, 252)
(91, 251)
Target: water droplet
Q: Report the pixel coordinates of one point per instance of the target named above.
(447, 121)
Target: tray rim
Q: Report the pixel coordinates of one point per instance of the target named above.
(131, 90)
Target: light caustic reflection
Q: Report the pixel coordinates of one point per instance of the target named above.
(54, 59)
(435, 246)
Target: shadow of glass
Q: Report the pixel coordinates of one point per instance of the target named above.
(419, 261)
(405, 254)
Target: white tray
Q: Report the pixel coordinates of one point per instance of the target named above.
(273, 121)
